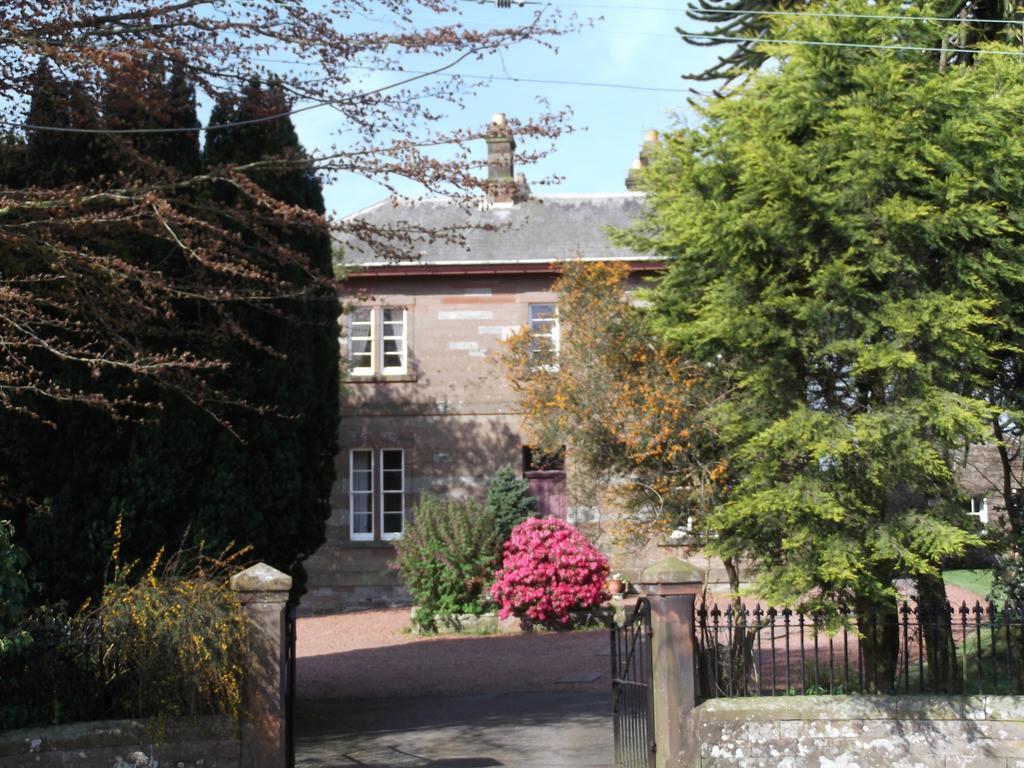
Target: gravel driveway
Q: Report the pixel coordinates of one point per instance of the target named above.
(368, 655)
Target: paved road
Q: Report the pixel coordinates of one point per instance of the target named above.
(372, 695)
(543, 729)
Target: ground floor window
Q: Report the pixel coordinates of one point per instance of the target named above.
(376, 496)
(392, 492)
(979, 508)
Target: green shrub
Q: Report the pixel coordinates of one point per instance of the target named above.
(13, 590)
(447, 558)
(509, 500)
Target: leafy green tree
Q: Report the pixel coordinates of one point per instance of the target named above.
(842, 233)
(509, 501)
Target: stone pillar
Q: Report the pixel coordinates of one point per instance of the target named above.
(263, 593)
(671, 586)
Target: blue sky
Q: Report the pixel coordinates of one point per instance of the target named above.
(632, 42)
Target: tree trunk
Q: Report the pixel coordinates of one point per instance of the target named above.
(740, 658)
(880, 645)
(943, 672)
(1010, 484)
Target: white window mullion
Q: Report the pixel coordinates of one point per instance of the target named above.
(979, 508)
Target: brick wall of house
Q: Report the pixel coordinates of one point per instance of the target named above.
(452, 414)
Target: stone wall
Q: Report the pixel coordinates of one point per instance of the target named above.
(862, 732)
(193, 743)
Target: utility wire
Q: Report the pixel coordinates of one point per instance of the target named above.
(441, 72)
(252, 121)
(840, 15)
(728, 12)
(586, 83)
(266, 118)
(839, 44)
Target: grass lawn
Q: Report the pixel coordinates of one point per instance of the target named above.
(977, 581)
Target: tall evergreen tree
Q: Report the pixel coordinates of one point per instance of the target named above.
(261, 479)
(266, 481)
(743, 24)
(844, 246)
(289, 456)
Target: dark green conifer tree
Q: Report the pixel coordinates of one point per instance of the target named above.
(509, 500)
(261, 475)
(284, 469)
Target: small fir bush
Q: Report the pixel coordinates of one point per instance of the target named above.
(509, 500)
(447, 558)
(548, 571)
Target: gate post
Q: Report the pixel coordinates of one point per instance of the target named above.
(671, 586)
(263, 593)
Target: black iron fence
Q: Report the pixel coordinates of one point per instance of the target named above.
(57, 677)
(632, 689)
(914, 649)
(290, 629)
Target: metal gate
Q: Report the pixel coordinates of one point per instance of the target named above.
(632, 689)
(289, 683)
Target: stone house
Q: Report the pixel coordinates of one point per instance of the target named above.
(426, 407)
(980, 474)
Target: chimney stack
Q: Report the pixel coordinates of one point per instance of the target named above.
(501, 146)
(642, 160)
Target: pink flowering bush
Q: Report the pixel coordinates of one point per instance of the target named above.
(549, 569)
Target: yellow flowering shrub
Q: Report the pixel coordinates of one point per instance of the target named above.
(163, 642)
(174, 638)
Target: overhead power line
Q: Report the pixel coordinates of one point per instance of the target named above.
(841, 15)
(319, 104)
(585, 83)
(840, 44)
(729, 12)
(255, 120)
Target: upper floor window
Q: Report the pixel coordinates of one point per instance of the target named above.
(544, 331)
(378, 340)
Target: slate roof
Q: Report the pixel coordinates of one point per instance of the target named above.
(541, 229)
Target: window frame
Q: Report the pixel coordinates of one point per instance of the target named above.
(377, 494)
(553, 335)
(400, 493)
(403, 339)
(378, 340)
(372, 338)
(979, 507)
(362, 535)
